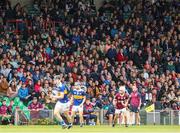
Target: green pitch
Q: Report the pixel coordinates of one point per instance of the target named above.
(90, 129)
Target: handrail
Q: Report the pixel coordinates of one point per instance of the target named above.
(29, 24)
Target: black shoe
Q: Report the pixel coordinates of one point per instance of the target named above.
(69, 126)
(113, 125)
(126, 125)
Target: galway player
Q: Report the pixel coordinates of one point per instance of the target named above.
(63, 105)
(135, 104)
(121, 102)
(78, 98)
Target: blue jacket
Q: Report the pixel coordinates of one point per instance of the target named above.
(22, 93)
(77, 39)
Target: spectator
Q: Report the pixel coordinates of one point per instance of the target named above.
(89, 112)
(3, 85)
(12, 90)
(35, 105)
(23, 94)
(3, 109)
(35, 108)
(135, 104)
(111, 111)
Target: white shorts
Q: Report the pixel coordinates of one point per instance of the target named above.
(62, 107)
(77, 108)
(118, 111)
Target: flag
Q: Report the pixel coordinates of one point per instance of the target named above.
(150, 108)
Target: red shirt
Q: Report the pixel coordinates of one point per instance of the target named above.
(120, 99)
(37, 88)
(135, 99)
(120, 57)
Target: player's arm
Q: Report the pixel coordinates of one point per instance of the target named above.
(71, 99)
(126, 101)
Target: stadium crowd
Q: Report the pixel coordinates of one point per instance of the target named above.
(118, 44)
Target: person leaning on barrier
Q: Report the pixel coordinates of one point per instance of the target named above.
(35, 105)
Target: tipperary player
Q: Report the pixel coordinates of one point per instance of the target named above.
(121, 103)
(63, 105)
(78, 98)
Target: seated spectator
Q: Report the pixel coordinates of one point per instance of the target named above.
(37, 88)
(3, 85)
(12, 90)
(89, 112)
(23, 94)
(42, 97)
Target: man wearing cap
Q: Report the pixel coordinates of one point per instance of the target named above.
(121, 102)
(78, 98)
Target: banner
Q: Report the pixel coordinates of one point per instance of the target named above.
(150, 108)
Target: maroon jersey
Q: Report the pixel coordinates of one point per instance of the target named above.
(3, 110)
(35, 106)
(135, 99)
(120, 99)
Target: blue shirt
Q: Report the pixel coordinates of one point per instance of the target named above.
(78, 96)
(23, 93)
(63, 89)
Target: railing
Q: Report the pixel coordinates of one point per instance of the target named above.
(19, 25)
(163, 117)
(45, 117)
(33, 117)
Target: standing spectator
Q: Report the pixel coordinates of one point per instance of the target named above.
(3, 113)
(111, 111)
(135, 104)
(3, 109)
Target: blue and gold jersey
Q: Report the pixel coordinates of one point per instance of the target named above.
(63, 89)
(78, 96)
